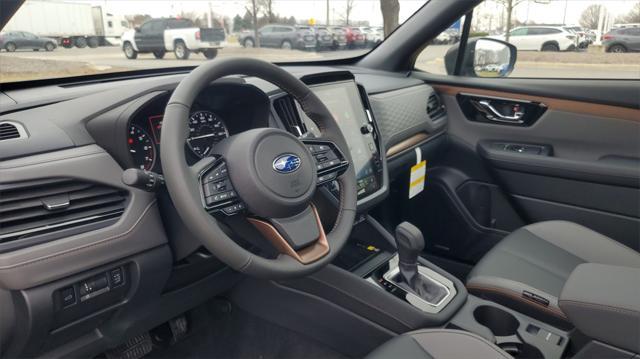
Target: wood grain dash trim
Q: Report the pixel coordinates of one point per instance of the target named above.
(580, 107)
(407, 144)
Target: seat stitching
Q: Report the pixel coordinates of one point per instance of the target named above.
(518, 298)
(610, 240)
(602, 307)
(424, 350)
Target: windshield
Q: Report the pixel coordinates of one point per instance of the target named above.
(87, 37)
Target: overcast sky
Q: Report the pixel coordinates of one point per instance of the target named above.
(553, 12)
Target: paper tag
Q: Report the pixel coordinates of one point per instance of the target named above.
(416, 181)
(417, 177)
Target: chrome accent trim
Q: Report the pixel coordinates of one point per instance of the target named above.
(502, 98)
(56, 206)
(22, 132)
(429, 274)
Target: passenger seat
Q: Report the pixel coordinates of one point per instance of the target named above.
(527, 269)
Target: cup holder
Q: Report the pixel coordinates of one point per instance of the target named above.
(500, 323)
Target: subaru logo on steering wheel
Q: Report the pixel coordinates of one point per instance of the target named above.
(286, 163)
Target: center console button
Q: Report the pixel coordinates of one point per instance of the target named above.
(117, 277)
(68, 296)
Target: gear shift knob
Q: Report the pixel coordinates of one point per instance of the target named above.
(410, 243)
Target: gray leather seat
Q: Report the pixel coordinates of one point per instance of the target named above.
(527, 269)
(438, 344)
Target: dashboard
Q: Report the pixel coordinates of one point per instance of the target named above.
(227, 109)
(80, 142)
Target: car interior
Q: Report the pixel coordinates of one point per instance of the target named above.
(330, 209)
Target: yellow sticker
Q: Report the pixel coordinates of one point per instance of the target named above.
(417, 178)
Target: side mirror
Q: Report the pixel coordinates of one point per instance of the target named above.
(483, 57)
(137, 28)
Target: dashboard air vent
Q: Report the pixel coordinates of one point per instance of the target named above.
(30, 209)
(435, 108)
(288, 113)
(9, 131)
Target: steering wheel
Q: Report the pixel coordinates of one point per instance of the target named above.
(265, 174)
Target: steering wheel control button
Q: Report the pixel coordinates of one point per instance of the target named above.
(233, 209)
(217, 173)
(329, 162)
(327, 177)
(218, 192)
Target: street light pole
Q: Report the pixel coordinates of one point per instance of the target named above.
(327, 12)
(564, 17)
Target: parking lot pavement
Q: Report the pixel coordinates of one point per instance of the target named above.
(25, 65)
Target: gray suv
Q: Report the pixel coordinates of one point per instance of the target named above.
(281, 36)
(622, 40)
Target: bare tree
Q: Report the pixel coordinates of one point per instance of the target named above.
(390, 15)
(254, 15)
(198, 19)
(137, 19)
(633, 17)
(348, 10)
(590, 15)
(266, 6)
(509, 6)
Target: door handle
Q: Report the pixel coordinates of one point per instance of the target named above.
(494, 115)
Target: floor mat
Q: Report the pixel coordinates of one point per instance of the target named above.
(220, 331)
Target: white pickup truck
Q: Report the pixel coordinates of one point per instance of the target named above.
(181, 36)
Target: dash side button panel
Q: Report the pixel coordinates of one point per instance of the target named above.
(68, 296)
(116, 277)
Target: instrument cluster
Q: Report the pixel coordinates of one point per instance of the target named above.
(206, 129)
(215, 115)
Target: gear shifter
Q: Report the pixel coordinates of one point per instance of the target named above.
(410, 244)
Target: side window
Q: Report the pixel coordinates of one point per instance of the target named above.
(179, 24)
(551, 39)
(147, 26)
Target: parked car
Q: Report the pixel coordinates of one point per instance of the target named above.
(181, 36)
(541, 38)
(14, 40)
(622, 40)
(324, 38)
(372, 35)
(281, 36)
(355, 37)
(582, 38)
(339, 37)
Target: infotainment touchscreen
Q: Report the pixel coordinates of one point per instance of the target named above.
(345, 104)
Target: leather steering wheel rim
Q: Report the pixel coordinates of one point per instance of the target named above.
(184, 186)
